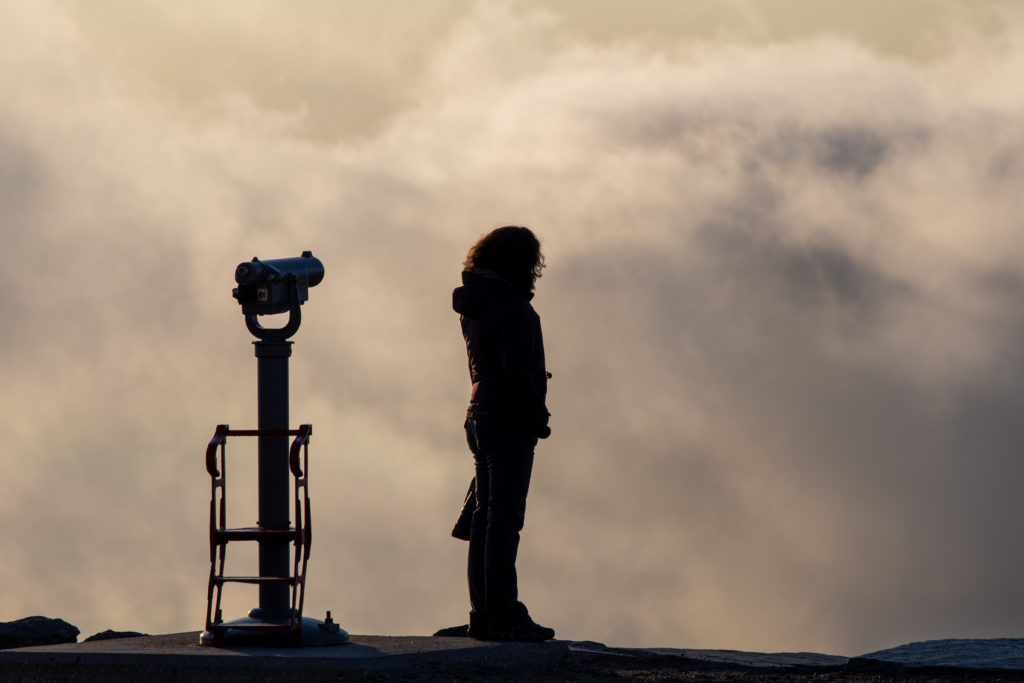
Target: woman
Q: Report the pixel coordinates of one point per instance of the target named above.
(506, 416)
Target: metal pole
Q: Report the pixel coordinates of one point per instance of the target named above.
(274, 508)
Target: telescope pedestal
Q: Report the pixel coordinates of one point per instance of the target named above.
(267, 288)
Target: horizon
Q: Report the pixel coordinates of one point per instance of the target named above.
(781, 306)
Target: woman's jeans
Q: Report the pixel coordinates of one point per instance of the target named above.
(503, 454)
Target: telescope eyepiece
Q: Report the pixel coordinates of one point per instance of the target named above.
(250, 273)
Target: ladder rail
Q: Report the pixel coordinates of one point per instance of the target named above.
(303, 522)
(217, 468)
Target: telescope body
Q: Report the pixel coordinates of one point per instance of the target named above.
(276, 285)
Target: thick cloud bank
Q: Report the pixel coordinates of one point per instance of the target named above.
(783, 313)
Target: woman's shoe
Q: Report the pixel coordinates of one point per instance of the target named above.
(524, 630)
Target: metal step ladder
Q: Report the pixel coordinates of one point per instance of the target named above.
(300, 535)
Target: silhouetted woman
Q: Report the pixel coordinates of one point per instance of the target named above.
(506, 416)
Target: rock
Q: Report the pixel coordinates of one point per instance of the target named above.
(113, 635)
(36, 631)
(976, 653)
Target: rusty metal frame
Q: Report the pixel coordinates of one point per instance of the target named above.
(301, 534)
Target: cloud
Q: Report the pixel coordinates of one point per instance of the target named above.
(781, 311)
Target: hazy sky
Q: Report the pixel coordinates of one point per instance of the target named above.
(782, 309)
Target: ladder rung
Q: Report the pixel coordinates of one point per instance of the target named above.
(255, 579)
(254, 534)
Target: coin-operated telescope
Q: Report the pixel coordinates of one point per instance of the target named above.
(282, 529)
(276, 286)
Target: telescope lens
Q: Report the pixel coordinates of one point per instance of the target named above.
(248, 273)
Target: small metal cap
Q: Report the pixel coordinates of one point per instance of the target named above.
(329, 624)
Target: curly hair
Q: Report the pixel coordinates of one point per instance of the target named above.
(513, 252)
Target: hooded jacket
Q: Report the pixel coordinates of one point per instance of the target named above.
(505, 350)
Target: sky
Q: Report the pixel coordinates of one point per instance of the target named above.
(782, 307)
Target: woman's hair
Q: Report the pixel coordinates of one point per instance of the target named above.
(513, 252)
